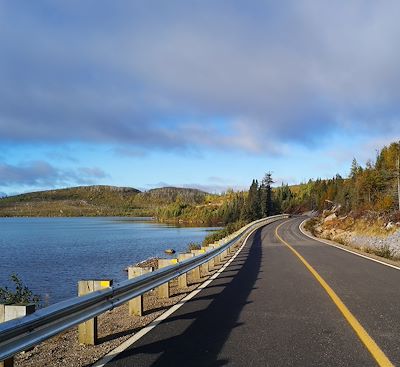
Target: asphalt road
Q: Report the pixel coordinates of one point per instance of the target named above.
(267, 309)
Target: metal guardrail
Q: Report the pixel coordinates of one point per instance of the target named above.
(21, 334)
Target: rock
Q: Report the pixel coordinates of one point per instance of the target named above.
(318, 229)
(389, 226)
(331, 217)
(325, 234)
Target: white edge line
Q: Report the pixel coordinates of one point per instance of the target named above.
(344, 249)
(142, 332)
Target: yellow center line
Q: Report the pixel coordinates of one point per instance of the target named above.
(369, 343)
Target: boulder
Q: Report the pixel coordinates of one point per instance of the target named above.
(389, 226)
(330, 218)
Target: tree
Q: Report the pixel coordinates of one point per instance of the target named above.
(283, 199)
(354, 170)
(398, 179)
(252, 207)
(266, 198)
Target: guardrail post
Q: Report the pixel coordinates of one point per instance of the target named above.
(195, 274)
(164, 289)
(204, 267)
(135, 305)
(11, 312)
(182, 280)
(217, 259)
(87, 331)
(211, 262)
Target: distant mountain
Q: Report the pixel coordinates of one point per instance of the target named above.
(96, 201)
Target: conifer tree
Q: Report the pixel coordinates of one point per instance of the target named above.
(267, 200)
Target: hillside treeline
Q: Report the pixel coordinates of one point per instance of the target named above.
(231, 207)
(374, 187)
(96, 200)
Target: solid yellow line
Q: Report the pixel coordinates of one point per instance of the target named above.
(370, 344)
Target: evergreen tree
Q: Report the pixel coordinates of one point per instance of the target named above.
(267, 199)
(253, 208)
(355, 169)
(262, 192)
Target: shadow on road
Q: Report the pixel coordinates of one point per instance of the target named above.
(197, 332)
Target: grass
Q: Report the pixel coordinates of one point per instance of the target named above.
(193, 246)
(383, 251)
(311, 224)
(218, 235)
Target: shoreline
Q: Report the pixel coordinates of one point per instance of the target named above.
(177, 223)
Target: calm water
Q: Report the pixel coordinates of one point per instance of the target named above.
(52, 254)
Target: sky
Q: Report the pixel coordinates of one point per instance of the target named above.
(205, 94)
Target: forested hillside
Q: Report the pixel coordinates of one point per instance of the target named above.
(374, 188)
(94, 201)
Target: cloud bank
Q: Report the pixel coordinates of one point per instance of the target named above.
(194, 75)
(42, 174)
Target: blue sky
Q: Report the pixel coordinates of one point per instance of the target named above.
(206, 94)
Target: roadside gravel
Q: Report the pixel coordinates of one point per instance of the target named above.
(392, 242)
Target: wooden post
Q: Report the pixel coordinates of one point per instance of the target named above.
(164, 289)
(217, 259)
(195, 273)
(11, 312)
(182, 280)
(87, 331)
(204, 267)
(211, 262)
(135, 305)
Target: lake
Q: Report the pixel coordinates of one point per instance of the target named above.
(52, 254)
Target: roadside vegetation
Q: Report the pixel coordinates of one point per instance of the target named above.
(361, 211)
(240, 208)
(372, 188)
(18, 294)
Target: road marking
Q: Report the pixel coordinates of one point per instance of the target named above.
(369, 343)
(142, 332)
(326, 242)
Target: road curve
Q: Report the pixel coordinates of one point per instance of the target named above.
(267, 309)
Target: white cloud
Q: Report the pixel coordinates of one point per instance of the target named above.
(274, 73)
(43, 174)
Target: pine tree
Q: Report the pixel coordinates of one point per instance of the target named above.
(267, 199)
(355, 168)
(252, 208)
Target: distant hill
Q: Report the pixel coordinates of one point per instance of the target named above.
(96, 201)
(168, 195)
